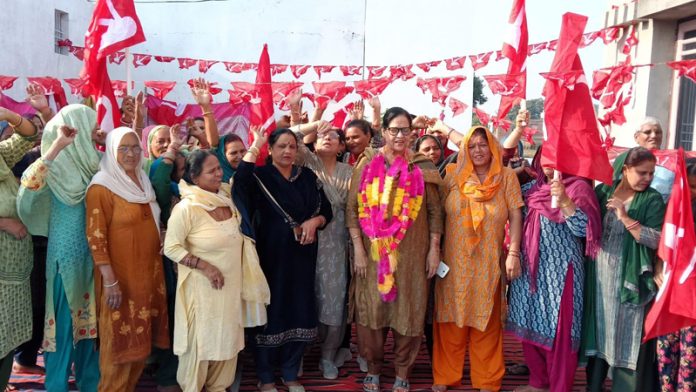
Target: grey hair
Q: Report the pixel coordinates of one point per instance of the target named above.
(649, 121)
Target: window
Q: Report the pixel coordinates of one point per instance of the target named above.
(61, 31)
(684, 99)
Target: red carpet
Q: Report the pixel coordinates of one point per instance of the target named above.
(349, 378)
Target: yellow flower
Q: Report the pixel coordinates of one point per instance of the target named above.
(125, 329)
(144, 314)
(116, 315)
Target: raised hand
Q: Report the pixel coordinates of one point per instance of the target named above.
(36, 96)
(522, 119)
(421, 122)
(66, 135)
(176, 142)
(358, 111)
(295, 98)
(260, 137)
(128, 110)
(140, 105)
(324, 126)
(374, 102)
(201, 92)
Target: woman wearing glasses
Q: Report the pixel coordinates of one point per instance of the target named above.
(123, 235)
(395, 220)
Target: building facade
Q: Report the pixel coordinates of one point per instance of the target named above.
(666, 31)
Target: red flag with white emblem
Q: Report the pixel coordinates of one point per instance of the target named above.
(262, 107)
(114, 27)
(674, 306)
(515, 48)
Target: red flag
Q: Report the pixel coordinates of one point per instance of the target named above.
(536, 48)
(455, 63)
(631, 41)
(349, 70)
(281, 91)
(402, 72)
(160, 89)
(140, 60)
(589, 38)
(674, 306)
(117, 58)
(204, 65)
(565, 79)
(164, 59)
(371, 87)
(6, 82)
(480, 60)
(52, 86)
(114, 27)
(458, 107)
(213, 88)
(78, 52)
(484, 118)
(278, 69)
(440, 88)
(319, 69)
(572, 144)
(610, 34)
(375, 71)
(262, 108)
(298, 70)
(339, 118)
(330, 91)
(684, 68)
(119, 87)
(499, 55)
(77, 87)
(528, 133)
(506, 85)
(426, 66)
(552, 45)
(186, 63)
(233, 67)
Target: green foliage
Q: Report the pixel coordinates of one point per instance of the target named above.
(534, 106)
(479, 98)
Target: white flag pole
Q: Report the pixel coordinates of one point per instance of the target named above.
(523, 106)
(129, 77)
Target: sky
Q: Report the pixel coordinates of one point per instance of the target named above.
(355, 32)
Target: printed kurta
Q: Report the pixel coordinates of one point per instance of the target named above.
(533, 316)
(17, 255)
(68, 255)
(125, 235)
(216, 315)
(465, 295)
(406, 314)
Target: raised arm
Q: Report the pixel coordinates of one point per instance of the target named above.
(201, 94)
(520, 124)
(37, 99)
(376, 112)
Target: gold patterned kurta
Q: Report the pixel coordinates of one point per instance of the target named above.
(124, 235)
(406, 314)
(465, 295)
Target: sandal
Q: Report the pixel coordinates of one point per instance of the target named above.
(518, 369)
(439, 388)
(401, 385)
(274, 389)
(297, 387)
(371, 383)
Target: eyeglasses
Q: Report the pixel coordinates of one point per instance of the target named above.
(134, 149)
(330, 134)
(395, 131)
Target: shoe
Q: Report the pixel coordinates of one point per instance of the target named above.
(362, 363)
(328, 369)
(371, 383)
(343, 355)
(30, 369)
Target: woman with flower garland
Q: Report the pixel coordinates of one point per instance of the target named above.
(395, 220)
(480, 197)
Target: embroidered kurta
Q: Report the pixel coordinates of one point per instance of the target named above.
(17, 255)
(533, 316)
(216, 315)
(125, 235)
(406, 314)
(68, 255)
(465, 295)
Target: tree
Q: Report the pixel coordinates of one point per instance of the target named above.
(534, 106)
(479, 98)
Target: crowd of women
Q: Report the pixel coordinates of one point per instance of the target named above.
(174, 246)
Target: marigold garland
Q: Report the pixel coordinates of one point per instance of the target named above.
(386, 228)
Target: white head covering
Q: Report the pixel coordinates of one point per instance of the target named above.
(112, 176)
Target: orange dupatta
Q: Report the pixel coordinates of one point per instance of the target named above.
(471, 188)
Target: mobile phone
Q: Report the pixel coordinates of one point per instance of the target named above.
(442, 269)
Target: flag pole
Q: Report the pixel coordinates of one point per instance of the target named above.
(129, 77)
(523, 106)
(554, 199)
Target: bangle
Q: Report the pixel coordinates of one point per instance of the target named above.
(254, 150)
(355, 237)
(450, 132)
(207, 113)
(111, 285)
(21, 120)
(632, 225)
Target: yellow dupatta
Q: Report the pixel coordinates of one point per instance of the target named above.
(463, 175)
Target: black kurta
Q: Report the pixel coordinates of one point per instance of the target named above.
(289, 267)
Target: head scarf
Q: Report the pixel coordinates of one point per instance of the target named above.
(207, 200)
(112, 176)
(648, 208)
(421, 139)
(74, 167)
(227, 169)
(539, 203)
(477, 193)
(146, 141)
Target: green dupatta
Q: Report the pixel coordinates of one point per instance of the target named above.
(648, 208)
